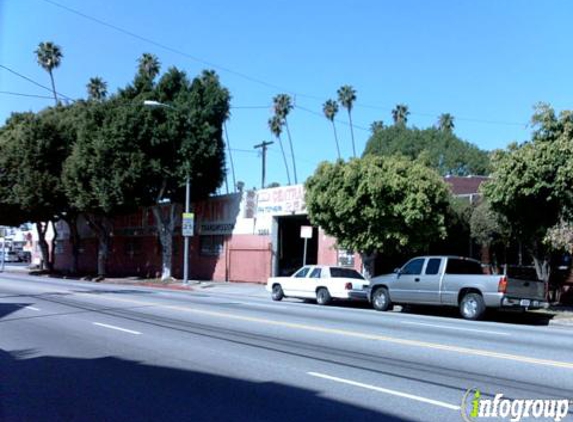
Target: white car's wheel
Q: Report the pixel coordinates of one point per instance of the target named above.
(323, 296)
(277, 292)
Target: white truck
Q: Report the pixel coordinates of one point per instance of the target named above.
(453, 281)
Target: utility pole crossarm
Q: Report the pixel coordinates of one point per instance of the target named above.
(264, 146)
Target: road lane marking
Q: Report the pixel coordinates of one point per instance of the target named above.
(386, 391)
(353, 334)
(113, 327)
(32, 308)
(449, 327)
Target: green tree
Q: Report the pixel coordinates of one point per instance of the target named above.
(400, 115)
(330, 109)
(149, 66)
(275, 126)
(97, 89)
(446, 122)
(49, 56)
(443, 151)
(32, 151)
(347, 97)
(283, 106)
(376, 126)
(378, 204)
(532, 185)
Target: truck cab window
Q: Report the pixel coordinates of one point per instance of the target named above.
(433, 266)
(413, 267)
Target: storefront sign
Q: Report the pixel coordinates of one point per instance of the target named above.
(281, 201)
(218, 215)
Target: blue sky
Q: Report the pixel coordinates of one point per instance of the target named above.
(486, 62)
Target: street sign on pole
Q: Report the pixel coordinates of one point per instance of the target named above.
(305, 233)
(188, 224)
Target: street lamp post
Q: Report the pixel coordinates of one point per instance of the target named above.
(151, 103)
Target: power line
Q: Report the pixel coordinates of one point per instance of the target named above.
(34, 82)
(19, 94)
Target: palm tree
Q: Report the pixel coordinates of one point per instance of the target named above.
(276, 127)
(346, 97)
(49, 56)
(330, 108)
(376, 126)
(149, 65)
(282, 104)
(400, 114)
(446, 122)
(97, 89)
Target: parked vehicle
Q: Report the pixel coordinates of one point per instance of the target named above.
(10, 256)
(454, 281)
(320, 282)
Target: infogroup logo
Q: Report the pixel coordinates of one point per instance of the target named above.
(475, 407)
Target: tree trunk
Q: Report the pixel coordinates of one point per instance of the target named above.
(72, 222)
(54, 241)
(352, 133)
(542, 268)
(368, 261)
(165, 222)
(336, 140)
(42, 228)
(53, 87)
(102, 228)
(291, 152)
(284, 159)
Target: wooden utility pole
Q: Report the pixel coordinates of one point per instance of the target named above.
(264, 146)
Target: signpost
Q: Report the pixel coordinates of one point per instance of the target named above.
(188, 224)
(305, 233)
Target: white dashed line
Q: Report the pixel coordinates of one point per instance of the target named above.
(32, 308)
(386, 391)
(113, 327)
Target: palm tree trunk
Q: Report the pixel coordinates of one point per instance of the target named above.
(336, 140)
(284, 159)
(352, 133)
(53, 87)
(291, 152)
(230, 157)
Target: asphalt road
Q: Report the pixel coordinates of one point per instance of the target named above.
(77, 351)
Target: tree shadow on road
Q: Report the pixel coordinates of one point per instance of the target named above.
(52, 389)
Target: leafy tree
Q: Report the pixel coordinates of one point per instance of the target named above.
(378, 204)
(376, 126)
(400, 115)
(347, 97)
(32, 152)
(283, 106)
(275, 125)
(330, 109)
(446, 122)
(149, 66)
(532, 185)
(97, 89)
(49, 57)
(442, 151)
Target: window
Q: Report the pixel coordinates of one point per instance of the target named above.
(302, 272)
(315, 273)
(433, 266)
(336, 272)
(413, 267)
(211, 245)
(463, 266)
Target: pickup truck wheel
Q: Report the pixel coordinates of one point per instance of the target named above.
(277, 292)
(323, 297)
(381, 299)
(472, 306)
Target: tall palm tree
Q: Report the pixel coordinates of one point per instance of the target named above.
(330, 108)
(282, 104)
(276, 127)
(446, 122)
(49, 56)
(346, 97)
(97, 89)
(376, 126)
(149, 65)
(400, 114)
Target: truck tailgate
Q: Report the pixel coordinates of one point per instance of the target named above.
(525, 289)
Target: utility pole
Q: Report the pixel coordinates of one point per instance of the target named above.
(264, 146)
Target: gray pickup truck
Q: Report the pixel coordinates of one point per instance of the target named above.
(453, 281)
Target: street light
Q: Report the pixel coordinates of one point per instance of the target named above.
(152, 103)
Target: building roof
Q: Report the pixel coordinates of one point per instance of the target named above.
(465, 185)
